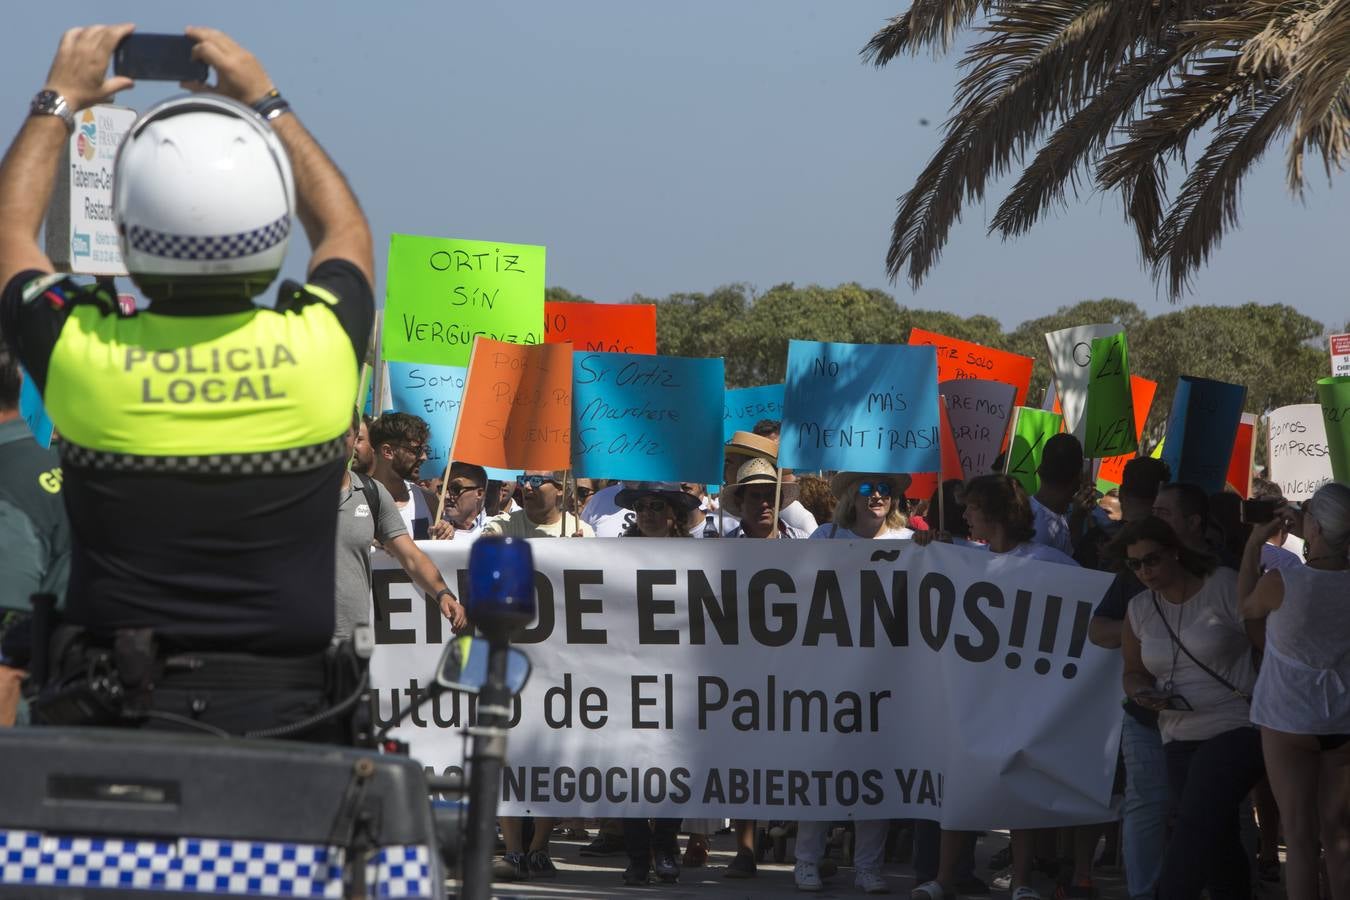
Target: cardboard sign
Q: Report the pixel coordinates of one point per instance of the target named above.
(1109, 418)
(1334, 396)
(1031, 428)
(606, 327)
(646, 418)
(1070, 361)
(1112, 469)
(1300, 462)
(34, 413)
(81, 236)
(1201, 431)
(979, 412)
(742, 408)
(442, 293)
(923, 484)
(1340, 354)
(860, 407)
(433, 394)
(1244, 455)
(517, 407)
(958, 359)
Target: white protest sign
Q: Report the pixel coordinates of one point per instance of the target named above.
(1300, 461)
(979, 412)
(1071, 362)
(787, 680)
(1340, 354)
(81, 236)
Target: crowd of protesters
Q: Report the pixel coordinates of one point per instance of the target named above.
(1236, 656)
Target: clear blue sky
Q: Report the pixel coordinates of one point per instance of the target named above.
(675, 147)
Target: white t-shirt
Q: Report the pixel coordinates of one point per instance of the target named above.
(1033, 550)
(605, 517)
(415, 509)
(517, 524)
(1211, 628)
(1052, 528)
(830, 530)
(798, 516)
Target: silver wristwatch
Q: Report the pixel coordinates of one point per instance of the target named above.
(50, 103)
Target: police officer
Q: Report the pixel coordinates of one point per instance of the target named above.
(202, 437)
(34, 534)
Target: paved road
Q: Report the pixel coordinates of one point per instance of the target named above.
(585, 877)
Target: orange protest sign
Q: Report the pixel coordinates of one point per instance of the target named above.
(923, 484)
(964, 359)
(517, 407)
(601, 327)
(1113, 467)
(1244, 450)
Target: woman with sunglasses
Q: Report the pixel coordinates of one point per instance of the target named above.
(1188, 656)
(868, 505)
(1301, 699)
(661, 509)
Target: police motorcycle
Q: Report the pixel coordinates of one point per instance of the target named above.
(112, 813)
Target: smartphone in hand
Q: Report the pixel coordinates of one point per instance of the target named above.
(158, 57)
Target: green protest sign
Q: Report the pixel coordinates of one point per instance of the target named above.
(1110, 409)
(441, 293)
(1031, 428)
(1334, 396)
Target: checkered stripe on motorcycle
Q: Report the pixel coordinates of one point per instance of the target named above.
(231, 867)
(210, 246)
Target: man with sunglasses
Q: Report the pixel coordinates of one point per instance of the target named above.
(541, 513)
(399, 442)
(465, 497)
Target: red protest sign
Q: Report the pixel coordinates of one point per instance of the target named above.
(964, 359)
(1113, 467)
(1244, 448)
(923, 484)
(601, 327)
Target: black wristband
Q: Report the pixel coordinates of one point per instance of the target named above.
(271, 105)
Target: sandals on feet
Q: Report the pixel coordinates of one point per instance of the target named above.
(931, 890)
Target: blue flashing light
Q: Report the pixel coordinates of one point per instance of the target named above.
(501, 585)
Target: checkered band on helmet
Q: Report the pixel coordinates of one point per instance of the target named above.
(208, 247)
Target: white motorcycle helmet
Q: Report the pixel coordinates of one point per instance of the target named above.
(204, 200)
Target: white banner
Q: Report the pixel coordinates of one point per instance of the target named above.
(766, 679)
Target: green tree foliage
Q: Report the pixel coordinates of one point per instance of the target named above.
(1274, 350)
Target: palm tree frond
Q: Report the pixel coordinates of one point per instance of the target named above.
(1207, 202)
(926, 23)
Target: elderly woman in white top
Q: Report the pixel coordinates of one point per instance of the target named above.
(1302, 697)
(1188, 656)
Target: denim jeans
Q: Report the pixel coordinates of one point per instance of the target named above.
(1147, 803)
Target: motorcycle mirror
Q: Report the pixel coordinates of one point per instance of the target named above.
(464, 666)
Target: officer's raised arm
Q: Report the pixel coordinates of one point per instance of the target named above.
(77, 79)
(334, 223)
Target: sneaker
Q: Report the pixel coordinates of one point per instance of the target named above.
(604, 845)
(637, 874)
(511, 867)
(665, 866)
(806, 875)
(743, 866)
(540, 865)
(931, 890)
(869, 881)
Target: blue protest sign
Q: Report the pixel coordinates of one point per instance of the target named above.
(34, 413)
(744, 407)
(1201, 430)
(433, 393)
(646, 418)
(861, 407)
